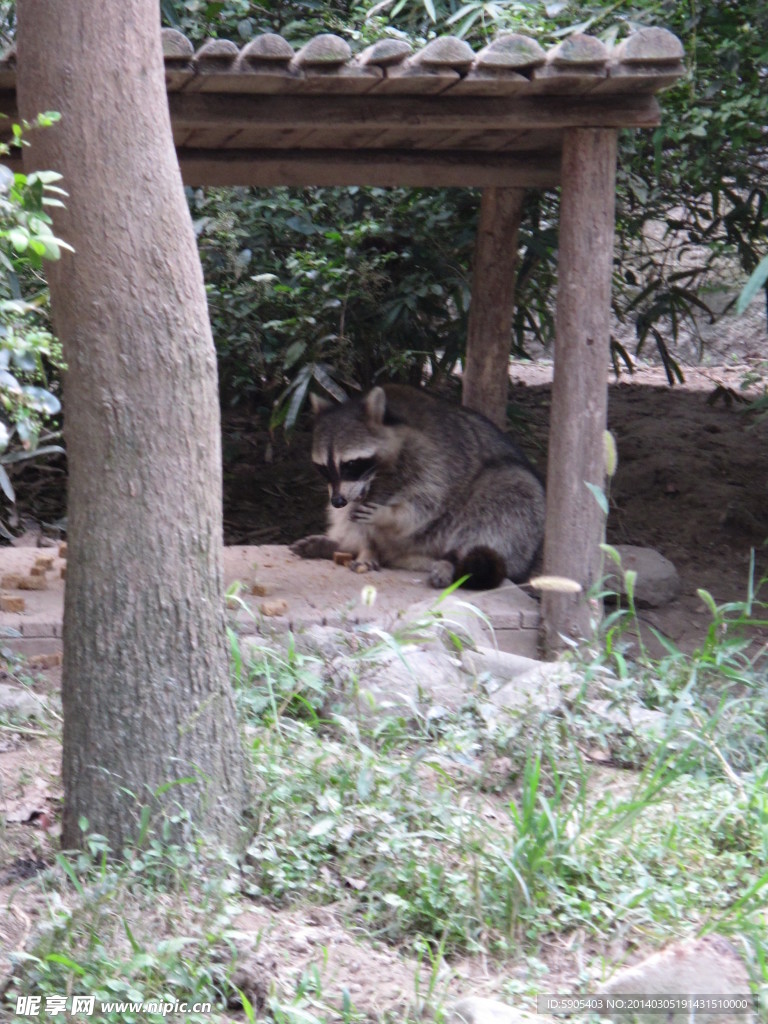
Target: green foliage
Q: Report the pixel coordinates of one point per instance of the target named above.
(296, 20)
(370, 282)
(350, 283)
(695, 201)
(27, 347)
(692, 200)
(138, 931)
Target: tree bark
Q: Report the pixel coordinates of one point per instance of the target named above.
(148, 710)
(489, 339)
(575, 523)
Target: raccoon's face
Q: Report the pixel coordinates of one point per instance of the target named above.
(348, 475)
(350, 442)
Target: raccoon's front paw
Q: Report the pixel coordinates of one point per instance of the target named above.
(441, 574)
(365, 512)
(365, 562)
(315, 546)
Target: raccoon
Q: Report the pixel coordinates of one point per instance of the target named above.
(415, 483)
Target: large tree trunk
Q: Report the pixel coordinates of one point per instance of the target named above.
(148, 710)
(489, 338)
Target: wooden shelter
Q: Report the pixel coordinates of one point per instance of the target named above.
(507, 118)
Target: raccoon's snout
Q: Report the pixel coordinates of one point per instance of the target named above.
(353, 477)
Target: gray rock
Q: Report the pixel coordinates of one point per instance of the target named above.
(522, 683)
(430, 674)
(657, 580)
(696, 967)
(324, 641)
(20, 703)
(436, 622)
(478, 1010)
(505, 618)
(410, 678)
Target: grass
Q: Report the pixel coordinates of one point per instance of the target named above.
(446, 836)
(42, 719)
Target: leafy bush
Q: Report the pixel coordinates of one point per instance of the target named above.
(370, 281)
(351, 283)
(27, 347)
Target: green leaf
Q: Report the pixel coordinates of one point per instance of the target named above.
(47, 449)
(50, 248)
(9, 383)
(59, 958)
(612, 553)
(28, 432)
(134, 944)
(41, 400)
(327, 382)
(6, 486)
(393, 900)
(297, 400)
(19, 239)
(27, 361)
(611, 453)
(599, 496)
(46, 177)
(48, 118)
(708, 600)
(630, 578)
(321, 827)
(293, 353)
(756, 281)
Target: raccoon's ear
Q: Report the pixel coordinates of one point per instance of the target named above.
(375, 405)
(319, 404)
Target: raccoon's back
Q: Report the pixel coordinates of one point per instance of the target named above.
(461, 434)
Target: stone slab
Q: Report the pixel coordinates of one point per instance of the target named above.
(302, 591)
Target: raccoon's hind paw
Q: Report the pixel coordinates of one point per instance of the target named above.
(442, 574)
(364, 513)
(315, 546)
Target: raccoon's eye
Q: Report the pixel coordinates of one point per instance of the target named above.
(323, 471)
(356, 469)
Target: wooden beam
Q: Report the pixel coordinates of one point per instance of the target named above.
(486, 367)
(383, 168)
(443, 113)
(575, 523)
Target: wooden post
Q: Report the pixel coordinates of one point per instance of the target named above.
(575, 523)
(486, 367)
